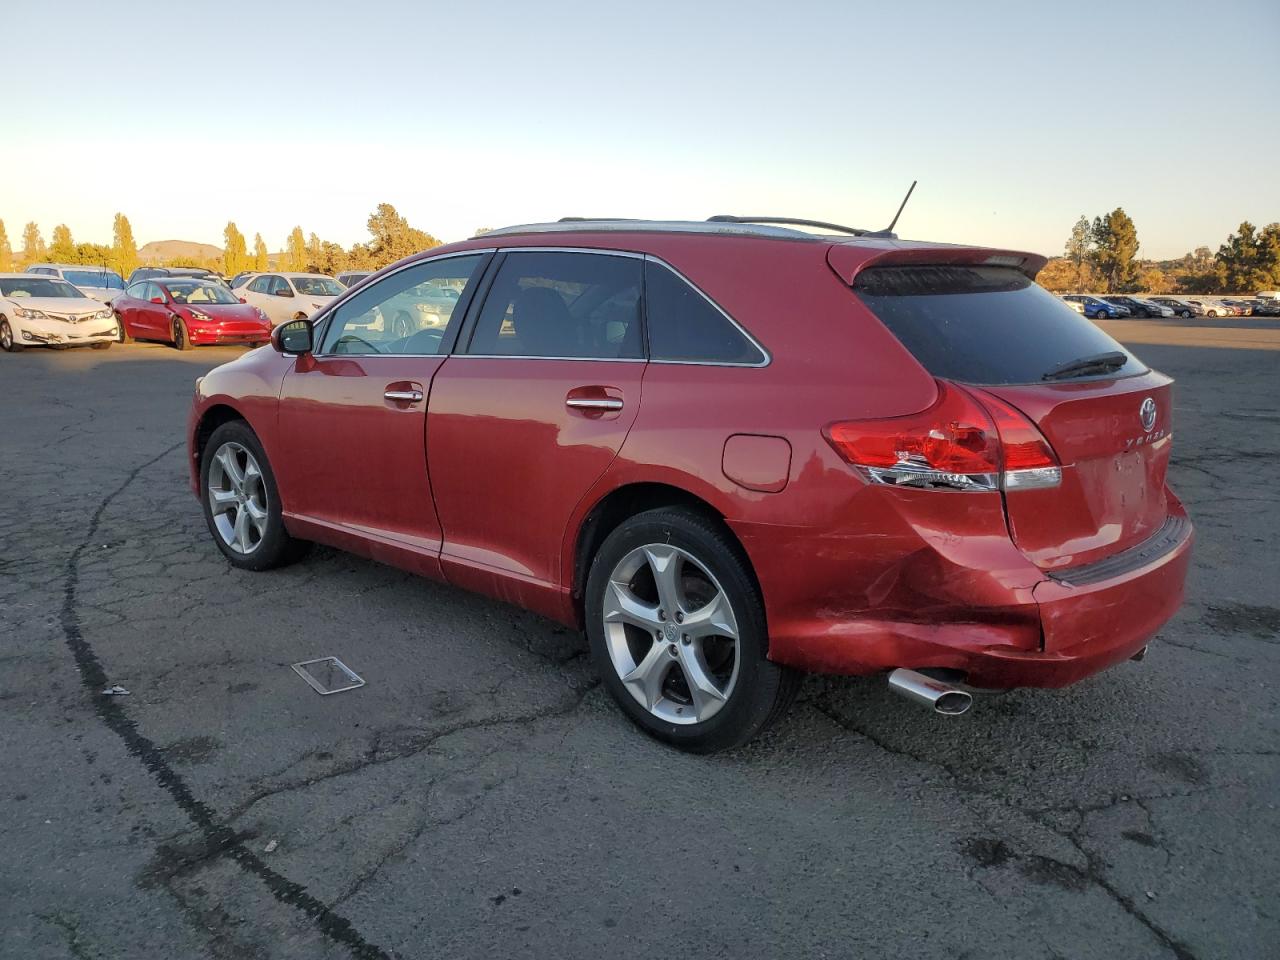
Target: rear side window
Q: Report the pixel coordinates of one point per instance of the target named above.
(685, 326)
(569, 305)
(982, 325)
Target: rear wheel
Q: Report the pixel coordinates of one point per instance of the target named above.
(7, 343)
(677, 628)
(241, 501)
(181, 339)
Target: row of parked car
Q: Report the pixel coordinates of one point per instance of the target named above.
(1115, 306)
(55, 304)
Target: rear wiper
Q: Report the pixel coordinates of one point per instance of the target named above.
(1098, 363)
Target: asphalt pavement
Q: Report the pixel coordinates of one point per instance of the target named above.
(481, 797)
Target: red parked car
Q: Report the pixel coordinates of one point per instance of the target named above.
(188, 312)
(730, 452)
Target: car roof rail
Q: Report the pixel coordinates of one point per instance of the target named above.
(792, 222)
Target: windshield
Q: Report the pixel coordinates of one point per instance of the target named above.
(982, 325)
(39, 287)
(199, 291)
(317, 286)
(94, 278)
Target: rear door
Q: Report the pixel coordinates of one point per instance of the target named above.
(993, 328)
(530, 411)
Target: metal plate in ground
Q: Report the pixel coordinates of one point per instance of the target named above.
(328, 675)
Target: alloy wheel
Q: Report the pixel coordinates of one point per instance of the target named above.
(237, 498)
(6, 336)
(671, 633)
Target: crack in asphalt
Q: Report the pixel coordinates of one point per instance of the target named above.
(1036, 866)
(218, 836)
(417, 745)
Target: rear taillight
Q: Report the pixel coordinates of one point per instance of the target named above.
(965, 441)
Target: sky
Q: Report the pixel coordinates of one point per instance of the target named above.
(1016, 118)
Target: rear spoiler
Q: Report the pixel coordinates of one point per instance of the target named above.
(848, 260)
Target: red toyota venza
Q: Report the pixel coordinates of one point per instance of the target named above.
(188, 312)
(730, 452)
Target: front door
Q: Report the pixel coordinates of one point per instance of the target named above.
(530, 412)
(353, 413)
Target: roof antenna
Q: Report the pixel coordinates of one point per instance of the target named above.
(893, 223)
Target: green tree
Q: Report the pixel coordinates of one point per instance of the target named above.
(33, 247)
(124, 250)
(235, 253)
(6, 251)
(296, 249)
(63, 247)
(1250, 259)
(393, 238)
(260, 259)
(1115, 252)
(1077, 249)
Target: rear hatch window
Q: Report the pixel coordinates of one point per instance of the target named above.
(983, 325)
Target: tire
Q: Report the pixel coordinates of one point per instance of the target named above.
(123, 334)
(401, 325)
(102, 345)
(262, 547)
(1185, 314)
(181, 338)
(7, 342)
(1143, 315)
(750, 692)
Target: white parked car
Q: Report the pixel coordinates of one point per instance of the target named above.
(98, 282)
(38, 310)
(289, 296)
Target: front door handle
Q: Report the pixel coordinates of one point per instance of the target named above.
(404, 396)
(594, 403)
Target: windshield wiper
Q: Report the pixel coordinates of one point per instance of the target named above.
(1098, 363)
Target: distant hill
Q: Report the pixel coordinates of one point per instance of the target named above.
(158, 250)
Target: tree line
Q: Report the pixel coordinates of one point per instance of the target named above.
(391, 238)
(1101, 256)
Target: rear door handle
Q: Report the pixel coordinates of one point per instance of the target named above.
(594, 403)
(404, 396)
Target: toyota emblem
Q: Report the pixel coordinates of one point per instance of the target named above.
(1147, 412)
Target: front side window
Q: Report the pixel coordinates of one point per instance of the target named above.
(567, 305)
(137, 290)
(685, 326)
(407, 312)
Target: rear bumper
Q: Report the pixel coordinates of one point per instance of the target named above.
(1050, 634)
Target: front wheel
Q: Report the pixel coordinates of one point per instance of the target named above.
(122, 335)
(7, 343)
(677, 628)
(181, 338)
(102, 345)
(1185, 314)
(242, 503)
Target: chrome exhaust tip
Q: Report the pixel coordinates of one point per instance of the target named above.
(941, 697)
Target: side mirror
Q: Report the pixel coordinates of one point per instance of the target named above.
(243, 300)
(159, 300)
(293, 337)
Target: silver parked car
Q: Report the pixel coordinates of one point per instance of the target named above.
(289, 296)
(99, 283)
